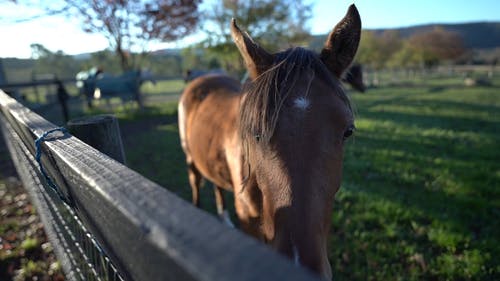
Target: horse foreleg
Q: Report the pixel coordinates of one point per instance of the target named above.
(220, 203)
(248, 206)
(195, 180)
(219, 200)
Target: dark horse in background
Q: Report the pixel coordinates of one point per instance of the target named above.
(278, 142)
(354, 77)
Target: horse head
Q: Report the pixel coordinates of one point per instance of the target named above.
(294, 120)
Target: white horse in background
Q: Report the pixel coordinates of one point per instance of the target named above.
(95, 84)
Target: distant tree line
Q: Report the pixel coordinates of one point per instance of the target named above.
(421, 50)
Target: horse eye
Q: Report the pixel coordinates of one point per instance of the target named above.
(349, 132)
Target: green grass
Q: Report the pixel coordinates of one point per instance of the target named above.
(420, 188)
(420, 197)
(160, 87)
(47, 93)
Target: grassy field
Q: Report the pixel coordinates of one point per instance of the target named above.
(420, 198)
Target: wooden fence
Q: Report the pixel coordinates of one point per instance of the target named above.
(111, 223)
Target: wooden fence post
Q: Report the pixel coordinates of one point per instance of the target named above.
(62, 97)
(102, 132)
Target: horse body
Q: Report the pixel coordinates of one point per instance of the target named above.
(277, 143)
(94, 84)
(211, 152)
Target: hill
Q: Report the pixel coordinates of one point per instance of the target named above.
(478, 35)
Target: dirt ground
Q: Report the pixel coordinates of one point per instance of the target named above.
(25, 252)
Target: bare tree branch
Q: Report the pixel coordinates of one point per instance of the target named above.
(128, 23)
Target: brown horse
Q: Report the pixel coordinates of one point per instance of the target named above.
(277, 143)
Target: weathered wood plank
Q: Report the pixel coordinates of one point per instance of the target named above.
(149, 232)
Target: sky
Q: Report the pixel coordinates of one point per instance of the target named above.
(62, 33)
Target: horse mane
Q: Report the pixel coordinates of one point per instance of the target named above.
(267, 94)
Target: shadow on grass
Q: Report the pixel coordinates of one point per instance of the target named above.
(420, 191)
(419, 185)
(429, 121)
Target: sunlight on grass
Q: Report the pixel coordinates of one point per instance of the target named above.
(418, 186)
(419, 199)
(175, 85)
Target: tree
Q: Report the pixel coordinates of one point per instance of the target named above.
(275, 24)
(390, 44)
(132, 23)
(435, 46)
(104, 59)
(194, 57)
(58, 63)
(376, 50)
(405, 57)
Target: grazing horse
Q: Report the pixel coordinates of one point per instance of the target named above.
(94, 84)
(277, 142)
(354, 77)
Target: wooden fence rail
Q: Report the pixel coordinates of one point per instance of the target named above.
(118, 225)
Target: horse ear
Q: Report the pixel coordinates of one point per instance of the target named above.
(257, 60)
(342, 43)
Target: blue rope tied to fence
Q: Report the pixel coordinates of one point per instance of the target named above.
(53, 186)
(38, 158)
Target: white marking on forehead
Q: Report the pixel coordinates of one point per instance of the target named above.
(301, 103)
